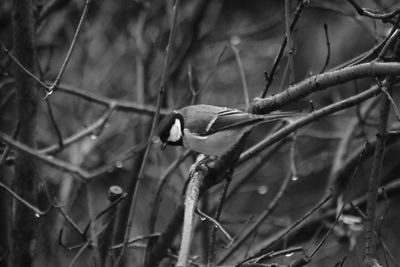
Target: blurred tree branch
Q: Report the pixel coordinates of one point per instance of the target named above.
(25, 225)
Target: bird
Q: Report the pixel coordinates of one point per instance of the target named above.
(210, 130)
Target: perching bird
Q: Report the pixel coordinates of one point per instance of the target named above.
(210, 130)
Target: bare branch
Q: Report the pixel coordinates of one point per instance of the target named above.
(191, 200)
(261, 218)
(37, 211)
(328, 46)
(289, 38)
(267, 243)
(163, 181)
(269, 77)
(323, 81)
(163, 85)
(372, 13)
(234, 46)
(57, 81)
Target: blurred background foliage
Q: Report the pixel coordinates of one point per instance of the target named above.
(120, 53)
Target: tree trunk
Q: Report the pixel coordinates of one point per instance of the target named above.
(25, 224)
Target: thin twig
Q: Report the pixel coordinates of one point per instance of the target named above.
(393, 104)
(104, 211)
(6, 98)
(346, 197)
(136, 239)
(86, 245)
(56, 163)
(328, 46)
(212, 72)
(55, 125)
(215, 222)
(71, 222)
(273, 254)
(37, 211)
(261, 218)
(68, 248)
(121, 105)
(7, 149)
(218, 211)
(164, 179)
(81, 174)
(191, 84)
(285, 74)
(293, 165)
(346, 103)
(372, 13)
(235, 49)
(163, 85)
(50, 88)
(57, 81)
(269, 77)
(89, 130)
(284, 233)
(261, 162)
(390, 40)
(290, 42)
(19, 64)
(386, 209)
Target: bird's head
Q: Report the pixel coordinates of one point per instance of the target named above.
(170, 130)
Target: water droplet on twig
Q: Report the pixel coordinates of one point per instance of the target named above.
(119, 164)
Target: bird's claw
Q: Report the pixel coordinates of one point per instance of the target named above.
(197, 167)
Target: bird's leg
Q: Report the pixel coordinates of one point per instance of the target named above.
(200, 164)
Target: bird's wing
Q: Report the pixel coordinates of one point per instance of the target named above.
(210, 119)
(232, 118)
(199, 117)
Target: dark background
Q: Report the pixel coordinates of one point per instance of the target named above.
(120, 53)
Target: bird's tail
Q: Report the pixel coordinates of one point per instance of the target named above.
(279, 115)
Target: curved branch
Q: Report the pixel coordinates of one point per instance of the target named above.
(121, 105)
(322, 81)
(191, 200)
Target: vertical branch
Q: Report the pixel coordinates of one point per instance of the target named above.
(328, 46)
(269, 77)
(191, 200)
(70, 50)
(163, 85)
(374, 179)
(25, 224)
(261, 218)
(141, 56)
(105, 239)
(211, 248)
(234, 46)
(290, 42)
(370, 244)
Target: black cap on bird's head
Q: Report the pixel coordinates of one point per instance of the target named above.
(170, 130)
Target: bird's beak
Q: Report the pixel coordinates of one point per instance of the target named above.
(163, 146)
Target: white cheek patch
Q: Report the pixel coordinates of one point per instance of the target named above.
(175, 133)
